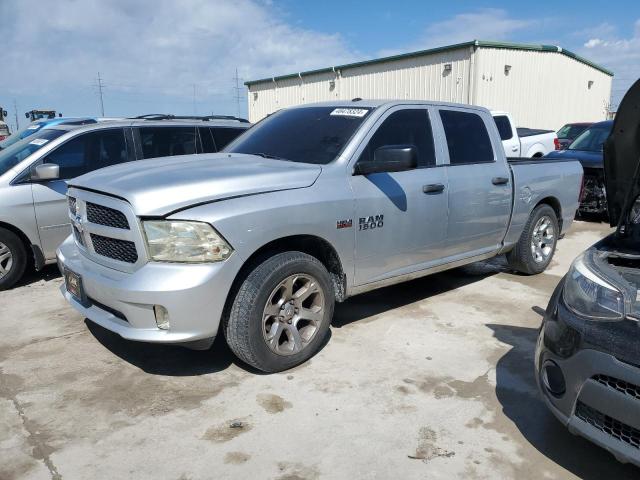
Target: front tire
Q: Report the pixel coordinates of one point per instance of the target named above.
(13, 259)
(537, 244)
(281, 314)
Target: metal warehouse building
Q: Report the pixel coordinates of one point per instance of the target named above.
(542, 86)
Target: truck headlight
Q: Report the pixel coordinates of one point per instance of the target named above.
(589, 295)
(182, 241)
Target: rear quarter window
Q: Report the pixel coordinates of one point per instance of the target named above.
(468, 141)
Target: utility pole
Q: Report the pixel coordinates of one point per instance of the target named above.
(15, 112)
(238, 89)
(100, 93)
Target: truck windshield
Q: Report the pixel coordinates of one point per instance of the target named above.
(13, 155)
(592, 139)
(305, 135)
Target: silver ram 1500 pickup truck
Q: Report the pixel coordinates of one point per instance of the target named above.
(311, 206)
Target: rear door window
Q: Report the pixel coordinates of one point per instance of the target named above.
(504, 127)
(467, 138)
(206, 139)
(168, 141)
(224, 135)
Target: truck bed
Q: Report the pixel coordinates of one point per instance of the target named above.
(528, 132)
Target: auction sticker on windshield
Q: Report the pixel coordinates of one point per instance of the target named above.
(33, 127)
(39, 141)
(350, 112)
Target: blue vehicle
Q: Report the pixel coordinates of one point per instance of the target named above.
(38, 125)
(588, 149)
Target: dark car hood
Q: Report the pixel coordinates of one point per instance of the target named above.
(586, 158)
(622, 158)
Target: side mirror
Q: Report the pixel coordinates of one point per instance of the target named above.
(390, 158)
(46, 171)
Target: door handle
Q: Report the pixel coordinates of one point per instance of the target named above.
(514, 149)
(433, 188)
(499, 180)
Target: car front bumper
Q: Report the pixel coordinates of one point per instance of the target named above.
(601, 399)
(193, 295)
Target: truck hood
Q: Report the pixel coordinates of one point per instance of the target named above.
(622, 158)
(157, 187)
(586, 158)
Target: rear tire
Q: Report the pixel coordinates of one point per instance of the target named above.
(537, 244)
(13, 259)
(281, 313)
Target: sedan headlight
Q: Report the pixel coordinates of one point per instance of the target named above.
(182, 241)
(589, 295)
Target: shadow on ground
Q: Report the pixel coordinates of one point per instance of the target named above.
(168, 360)
(48, 272)
(517, 393)
(389, 298)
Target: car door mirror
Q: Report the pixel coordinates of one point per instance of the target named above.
(46, 171)
(389, 158)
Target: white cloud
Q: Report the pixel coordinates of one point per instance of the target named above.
(148, 50)
(621, 55)
(482, 24)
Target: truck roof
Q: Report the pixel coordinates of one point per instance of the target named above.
(358, 102)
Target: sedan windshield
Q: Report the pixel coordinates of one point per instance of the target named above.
(305, 135)
(592, 139)
(13, 155)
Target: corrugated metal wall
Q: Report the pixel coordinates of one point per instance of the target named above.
(542, 89)
(418, 78)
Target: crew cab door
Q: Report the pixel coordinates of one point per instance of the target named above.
(508, 135)
(479, 184)
(400, 217)
(81, 154)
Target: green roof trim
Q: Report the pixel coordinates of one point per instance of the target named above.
(419, 53)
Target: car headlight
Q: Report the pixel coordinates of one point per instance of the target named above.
(182, 241)
(589, 295)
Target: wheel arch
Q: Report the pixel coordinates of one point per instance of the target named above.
(312, 245)
(36, 256)
(554, 203)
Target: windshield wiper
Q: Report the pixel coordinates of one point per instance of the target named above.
(271, 157)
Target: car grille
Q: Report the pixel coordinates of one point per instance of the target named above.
(609, 425)
(109, 217)
(121, 250)
(619, 385)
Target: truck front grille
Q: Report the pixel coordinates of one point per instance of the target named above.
(109, 217)
(78, 236)
(72, 205)
(609, 425)
(121, 250)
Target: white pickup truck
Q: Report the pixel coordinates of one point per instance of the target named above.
(524, 142)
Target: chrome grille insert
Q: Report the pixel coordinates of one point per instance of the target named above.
(121, 250)
(109, 217)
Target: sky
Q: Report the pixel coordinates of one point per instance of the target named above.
(165, 56)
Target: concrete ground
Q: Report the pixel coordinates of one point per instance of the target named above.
(429, 379)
